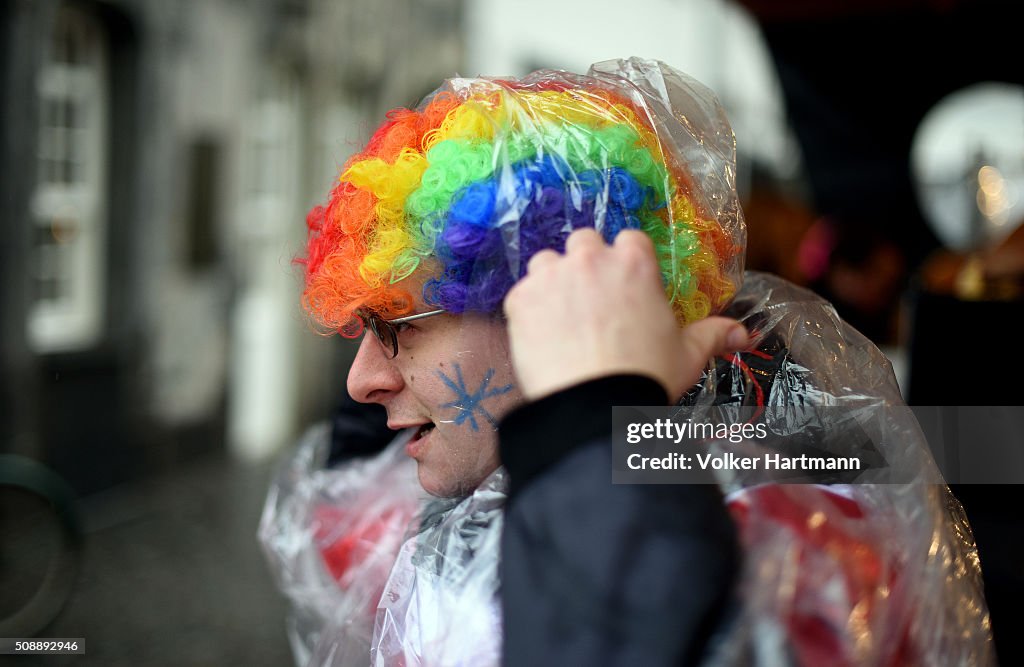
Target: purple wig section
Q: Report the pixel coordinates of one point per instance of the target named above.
(494, 227)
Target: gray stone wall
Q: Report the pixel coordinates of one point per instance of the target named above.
(188, 82)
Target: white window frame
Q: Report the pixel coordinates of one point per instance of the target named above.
(71, 211)
(264, 383)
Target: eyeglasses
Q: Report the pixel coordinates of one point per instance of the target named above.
(386, 332)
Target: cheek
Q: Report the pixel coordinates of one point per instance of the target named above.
(473, 396)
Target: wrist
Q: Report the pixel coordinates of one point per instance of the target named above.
(537, 435)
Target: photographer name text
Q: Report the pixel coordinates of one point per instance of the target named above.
(731, 461)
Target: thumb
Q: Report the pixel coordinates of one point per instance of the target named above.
(710, 337)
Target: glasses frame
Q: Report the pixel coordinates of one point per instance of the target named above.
(384, 330)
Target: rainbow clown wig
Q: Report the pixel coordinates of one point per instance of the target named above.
(487, 172)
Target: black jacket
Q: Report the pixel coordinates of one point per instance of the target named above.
(599, 574)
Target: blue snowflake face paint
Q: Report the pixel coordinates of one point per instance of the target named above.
(470, 405)
(452, 382)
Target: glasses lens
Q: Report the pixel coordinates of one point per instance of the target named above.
(385, 334)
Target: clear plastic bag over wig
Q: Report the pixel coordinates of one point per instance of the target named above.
(447, 203)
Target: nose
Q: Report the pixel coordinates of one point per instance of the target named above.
(373, 377)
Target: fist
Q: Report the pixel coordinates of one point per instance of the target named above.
(600, 310)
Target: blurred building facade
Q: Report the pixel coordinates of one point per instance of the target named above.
(158, 162)
(715, 41)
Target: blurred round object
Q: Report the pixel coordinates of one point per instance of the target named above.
(39, 545)
(968, 164)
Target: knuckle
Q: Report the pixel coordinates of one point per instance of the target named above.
(588, 255)
(518, 292)
(637, 242)
(538, 260)
(583, 238)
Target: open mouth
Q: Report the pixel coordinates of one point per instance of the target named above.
(423, 430)
(415, 445)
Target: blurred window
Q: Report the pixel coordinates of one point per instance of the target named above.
(268, 232)
(69, 202)
(271, 174)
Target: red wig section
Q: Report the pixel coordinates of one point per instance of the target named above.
(340, 232)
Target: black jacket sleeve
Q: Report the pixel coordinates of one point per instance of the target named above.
(357, 430)
(599, 574)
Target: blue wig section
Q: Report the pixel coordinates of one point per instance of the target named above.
(493, 227)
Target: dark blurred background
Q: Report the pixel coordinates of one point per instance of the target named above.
(158, 160)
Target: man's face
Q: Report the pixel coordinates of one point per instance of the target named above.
(452, 378)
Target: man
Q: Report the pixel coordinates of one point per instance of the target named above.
(423, 237)
(571, 381)
(453, 218)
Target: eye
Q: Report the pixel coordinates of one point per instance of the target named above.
(402, 327)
